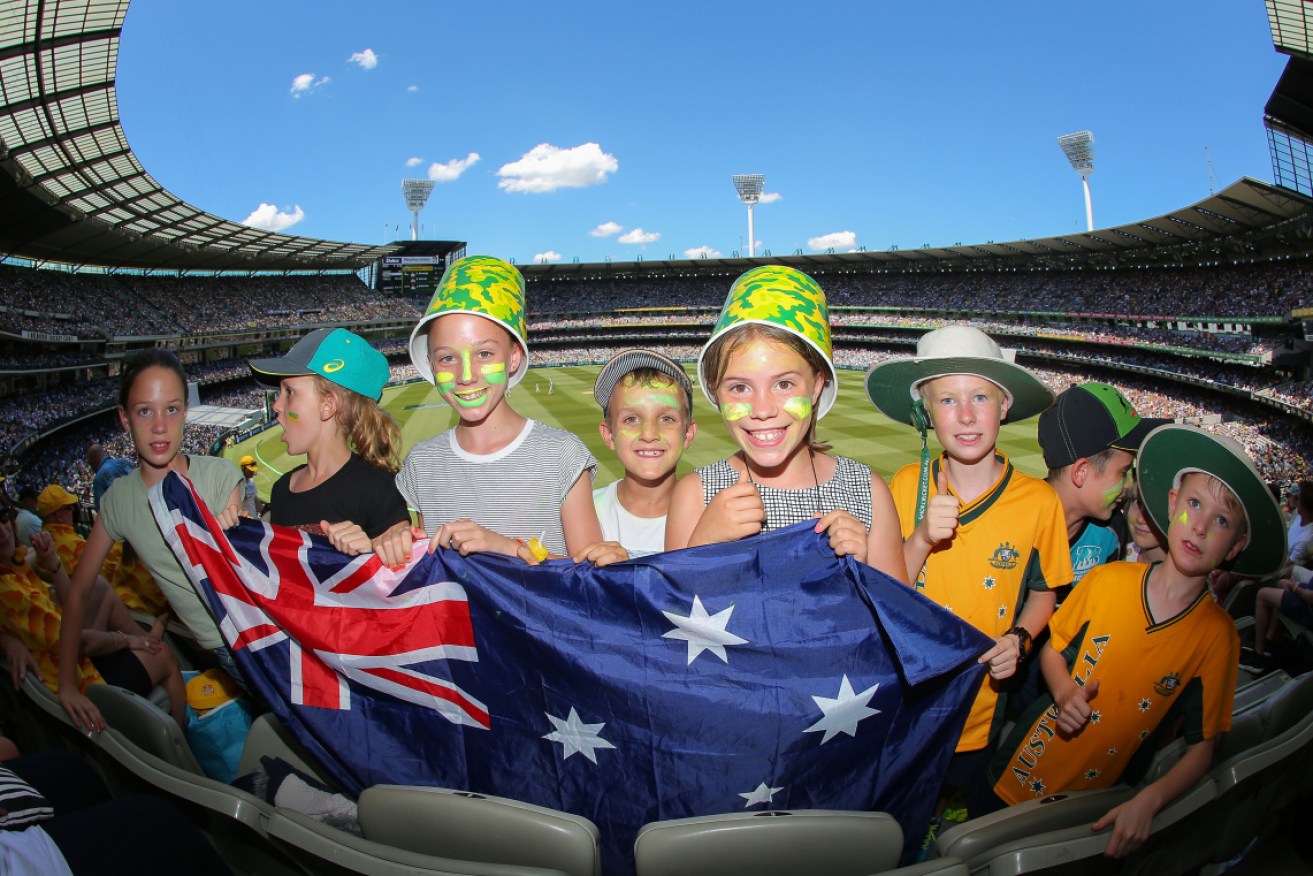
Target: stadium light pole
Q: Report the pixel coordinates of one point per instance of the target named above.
(417, 193)
(1079, 149)
(749, 186)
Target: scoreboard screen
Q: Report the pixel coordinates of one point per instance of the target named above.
(414, 267)
(412, 276)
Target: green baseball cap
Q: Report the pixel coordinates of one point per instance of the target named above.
(481, 285)
(337, 355)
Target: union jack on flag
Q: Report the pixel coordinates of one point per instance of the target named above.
(761, 674)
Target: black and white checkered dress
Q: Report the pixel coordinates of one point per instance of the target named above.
(849, 489)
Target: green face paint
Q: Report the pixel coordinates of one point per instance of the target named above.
(662, 398)
(1184, 519)
(293, 416)
(735, 411)
(1111, 495)
(494, 373)
(799, 407)
(445, 381)
(470, 402)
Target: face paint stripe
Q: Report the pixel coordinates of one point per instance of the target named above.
(799, 407)
(736, 411)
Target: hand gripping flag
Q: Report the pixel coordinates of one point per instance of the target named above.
(761, 674)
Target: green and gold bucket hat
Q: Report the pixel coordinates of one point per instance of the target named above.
(481, 285)
(784, 298)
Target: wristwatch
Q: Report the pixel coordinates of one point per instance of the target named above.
(1023, 641)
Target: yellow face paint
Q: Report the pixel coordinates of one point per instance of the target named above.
(466, 372)
(1111, 495)
(445, 380)
(735, 411)
(494, 372)
(293, 415)
(799, 407)
(1184, 519)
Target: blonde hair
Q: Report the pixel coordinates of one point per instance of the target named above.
(715, 362)
(1218, 489)
(370, 431)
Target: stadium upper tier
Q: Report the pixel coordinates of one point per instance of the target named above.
(72, 191)
(101, 306)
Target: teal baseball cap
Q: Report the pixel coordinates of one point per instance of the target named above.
(337, 355)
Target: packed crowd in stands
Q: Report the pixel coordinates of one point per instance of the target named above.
(129, 305)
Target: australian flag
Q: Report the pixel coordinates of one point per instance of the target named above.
(761, 674)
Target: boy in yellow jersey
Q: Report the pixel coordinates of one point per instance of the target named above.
(1136, 644)
(981, 539)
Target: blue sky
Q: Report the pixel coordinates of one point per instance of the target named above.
(594, 130)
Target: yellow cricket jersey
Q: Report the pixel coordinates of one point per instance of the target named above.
(130, 579)
(1009, 540)
(1146, 670)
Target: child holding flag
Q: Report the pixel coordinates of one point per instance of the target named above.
(496, 481)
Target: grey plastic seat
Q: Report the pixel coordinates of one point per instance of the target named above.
(475, 827)
(975, 841)
(1078, 849)
(269, 738)
(779, 843)
(144, 725)
(304, 838)
(933, 867)
(1259, 778)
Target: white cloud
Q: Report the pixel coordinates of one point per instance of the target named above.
(769, 198)
(606, 229)
(638, 235)
(366, 59)
(452, 169)
(546, 168)
(412, 88)
(268, 217)
(838, 240)
(701, 252)
(414, 161)
(306, 83)
(550, 256)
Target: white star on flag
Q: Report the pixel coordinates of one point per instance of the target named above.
(842, 714)
(702, 631)
(576, 737)
(761, 794)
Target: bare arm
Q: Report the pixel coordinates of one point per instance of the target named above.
(685, 509)
(84, 714)
(1133, 820)
(579, 517)
(885, 549)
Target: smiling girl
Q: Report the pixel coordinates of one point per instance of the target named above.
(329, 385)
(767, 368)
(153, 410)
(497, 481)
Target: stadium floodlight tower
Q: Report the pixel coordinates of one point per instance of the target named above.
(749, 186)
(417, 193)
(1079, 149)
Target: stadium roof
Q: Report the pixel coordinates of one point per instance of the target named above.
(71, 189)
(1290, 21)
(1248, 219)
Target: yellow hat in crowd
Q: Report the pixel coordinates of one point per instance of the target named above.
(52, 498)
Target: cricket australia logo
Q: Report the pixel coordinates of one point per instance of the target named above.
(1168, 685)
(1005, 557)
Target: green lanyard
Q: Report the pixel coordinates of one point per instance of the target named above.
(920, 420)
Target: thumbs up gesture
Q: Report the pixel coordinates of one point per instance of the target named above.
(734, 513)
(1074, 709)
(940, 519)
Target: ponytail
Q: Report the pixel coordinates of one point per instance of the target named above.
(370, 431)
